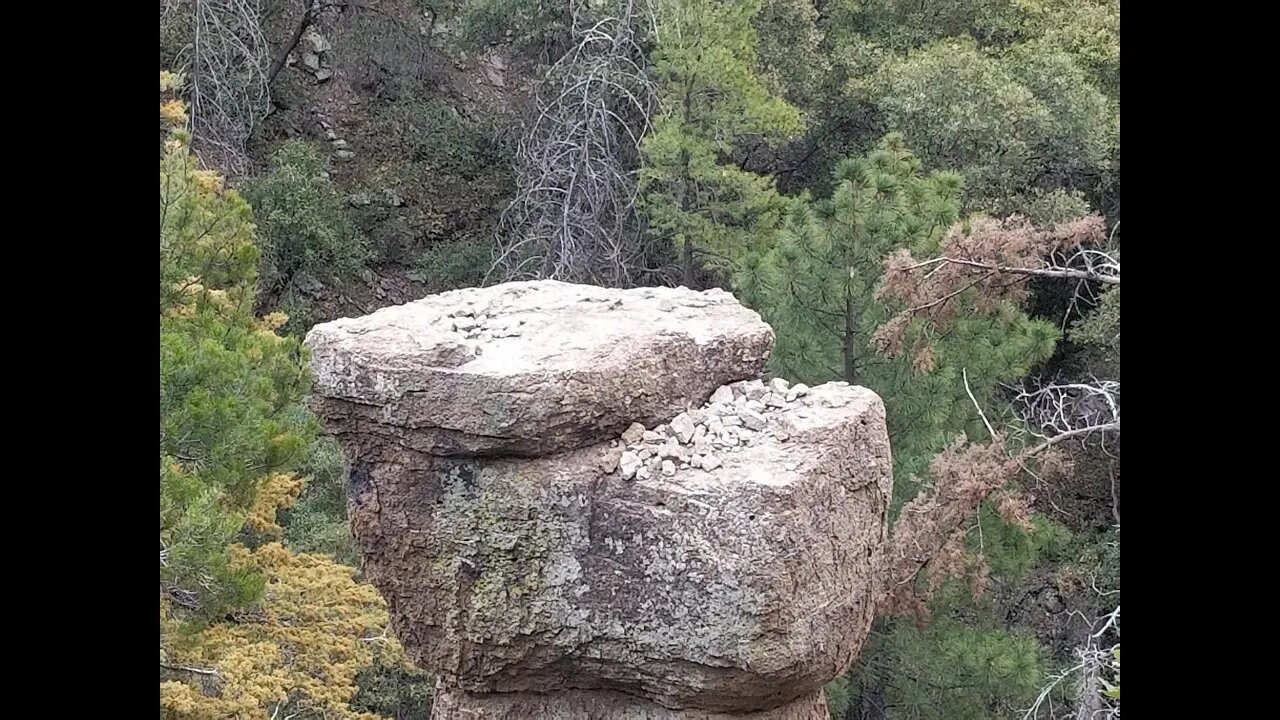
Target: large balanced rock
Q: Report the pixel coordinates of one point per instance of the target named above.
(533, 367)
(717, 556)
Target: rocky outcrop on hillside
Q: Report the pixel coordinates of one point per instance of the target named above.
(582, 502)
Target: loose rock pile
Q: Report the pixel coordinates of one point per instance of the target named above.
(732, 420)
(546, 554)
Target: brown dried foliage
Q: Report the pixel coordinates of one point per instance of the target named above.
(994, 259)
(928, 536)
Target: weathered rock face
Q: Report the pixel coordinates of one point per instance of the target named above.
(649, 554)
(532, 367)
(451, 704)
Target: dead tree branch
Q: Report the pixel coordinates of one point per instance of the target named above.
(1057, 412)
(573, 214)
(310, 8)
(226, 63)
(1093, 659)
(992, 262)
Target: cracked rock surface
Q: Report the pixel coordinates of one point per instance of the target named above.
(707, 548)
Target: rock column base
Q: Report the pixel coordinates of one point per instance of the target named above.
(452, 704)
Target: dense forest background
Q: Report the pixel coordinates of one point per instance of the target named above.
(921, 197)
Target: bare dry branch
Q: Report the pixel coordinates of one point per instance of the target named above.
(1093, 659)
(991, 262)
(226, 63)
(1061, 411)
(189, 669)
(573, 215)
(1085, 264)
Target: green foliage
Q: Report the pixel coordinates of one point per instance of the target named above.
(304, 231)
(817, 288)
(1101, 327)
(233, 433)
(710, 98)
(227, 385)
(533, 27)
(790, 57)
(963, 663)
(954, 669)
(1089, 30)
(317, 522)
(394, 691)
(433, 134)
(944, 671)
(1045, 208)
(1109, 689)
(1010, 121)
(454, 265)
(1010, 551)
(449, 180)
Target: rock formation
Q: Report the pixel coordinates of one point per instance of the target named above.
(585, 503)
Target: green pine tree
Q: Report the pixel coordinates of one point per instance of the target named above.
(230, 388)
(709, 99)
(817, 286)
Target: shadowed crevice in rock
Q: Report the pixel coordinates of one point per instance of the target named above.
(641, 528)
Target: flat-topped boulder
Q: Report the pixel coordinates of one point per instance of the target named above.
(532, 367)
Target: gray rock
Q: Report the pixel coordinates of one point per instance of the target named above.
(606, 368)
(683, 427)
(628, 465)
(515, 574)
(456, 704)
(751, 419)
(798, 390)
(780, 386)
(317, 43)
(673, 449)
(537, 554)
(699, 432)
(723, 395)
(753, 389)
(633, 434)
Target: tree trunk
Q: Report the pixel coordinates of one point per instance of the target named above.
(850, 345)
(283, 57)
(685, 181)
